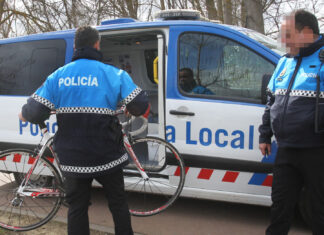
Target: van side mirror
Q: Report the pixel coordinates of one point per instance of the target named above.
(264, 85)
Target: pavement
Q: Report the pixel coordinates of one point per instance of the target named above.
(185, 217)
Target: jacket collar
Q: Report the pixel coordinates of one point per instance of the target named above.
(307, 51)
(87, 53)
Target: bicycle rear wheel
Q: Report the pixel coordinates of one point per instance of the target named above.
(41, 197)
(165, 169)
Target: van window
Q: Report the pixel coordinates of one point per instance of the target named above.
(216, 67)
(24, 66)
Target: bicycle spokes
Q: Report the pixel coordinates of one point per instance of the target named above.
(154, 193)
(28, 198)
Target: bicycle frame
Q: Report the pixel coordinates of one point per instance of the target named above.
(43, 178)
(131, 153)
(46, 142)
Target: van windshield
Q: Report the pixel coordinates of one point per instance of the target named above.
(261, 38)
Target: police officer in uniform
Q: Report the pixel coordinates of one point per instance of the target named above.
(290, 116)
(85, 93)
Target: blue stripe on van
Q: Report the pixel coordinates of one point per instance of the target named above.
(259, 178)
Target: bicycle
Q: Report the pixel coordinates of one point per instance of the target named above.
(32, 185)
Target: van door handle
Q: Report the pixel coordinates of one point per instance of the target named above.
(176, 112)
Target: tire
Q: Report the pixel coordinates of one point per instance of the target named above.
(165, 169)
(21, 212)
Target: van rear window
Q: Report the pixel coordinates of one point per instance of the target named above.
(24, 66)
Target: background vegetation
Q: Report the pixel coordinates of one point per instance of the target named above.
(21, 17)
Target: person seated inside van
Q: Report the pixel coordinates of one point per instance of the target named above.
(188, 83)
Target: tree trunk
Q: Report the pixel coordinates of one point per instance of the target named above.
(220, 10)
(211, 10)
(243, 14)
(198, 7)
(132, 8)
(228, 15)
(2, 2)
(67, 14)
(74, 14)
(169, 4)
(254, 15)
(162, 4)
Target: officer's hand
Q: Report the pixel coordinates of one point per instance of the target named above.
(21, 117)
(127, 114)
(265, 149)
(147, 112)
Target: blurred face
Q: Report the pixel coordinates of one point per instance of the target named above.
(186, 80)
(293, 39)
(184, 77)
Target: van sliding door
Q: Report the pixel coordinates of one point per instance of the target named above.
(141, 53)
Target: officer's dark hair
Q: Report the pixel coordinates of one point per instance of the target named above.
(305, 19)
(86, 36)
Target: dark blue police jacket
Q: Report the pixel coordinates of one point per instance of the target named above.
(290, 111)
(85, 93)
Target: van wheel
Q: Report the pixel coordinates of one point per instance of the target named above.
(305, 206)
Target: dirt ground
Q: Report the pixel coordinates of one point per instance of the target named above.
(56, 226)
(51, 228)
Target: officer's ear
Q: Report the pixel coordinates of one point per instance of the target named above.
(97, 45)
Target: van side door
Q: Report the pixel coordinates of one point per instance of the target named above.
(214, 96)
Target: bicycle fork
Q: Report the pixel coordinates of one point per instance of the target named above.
(133, 156)
(35, 192)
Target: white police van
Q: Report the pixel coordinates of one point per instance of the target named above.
(216, 131)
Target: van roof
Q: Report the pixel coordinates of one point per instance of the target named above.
(122, 25)
(128, 24)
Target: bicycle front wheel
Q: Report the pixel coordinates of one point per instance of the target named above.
(38, 202)
(166, 175)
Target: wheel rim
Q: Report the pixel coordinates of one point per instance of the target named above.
(149, 197)
(20, 212)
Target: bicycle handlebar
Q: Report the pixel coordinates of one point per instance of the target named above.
(139, 130)
(144, 118)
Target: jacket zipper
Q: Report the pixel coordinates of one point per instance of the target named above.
(292, 80)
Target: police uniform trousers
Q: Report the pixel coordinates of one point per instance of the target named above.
(78, 193)
(294, 169)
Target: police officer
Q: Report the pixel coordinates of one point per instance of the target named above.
(290, 116)
(85, 94)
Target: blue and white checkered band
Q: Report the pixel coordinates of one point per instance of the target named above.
(280, 91)
(131, 96)
(302, 93)
(85, 110)
(43, 101)
(306, 93)
(94, 169)
(269, 91)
